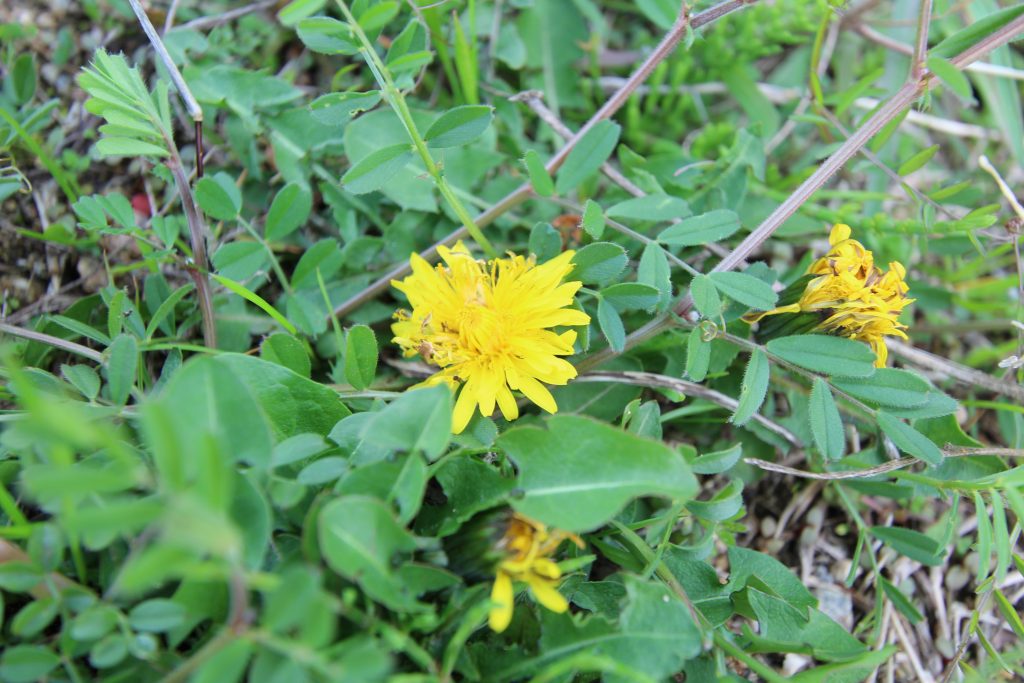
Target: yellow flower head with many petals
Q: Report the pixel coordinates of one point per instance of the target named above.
(527, 547)
(487, 325)
(856, 299)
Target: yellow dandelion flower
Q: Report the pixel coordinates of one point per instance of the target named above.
(527, 546)
(854, 297)
(487, 326)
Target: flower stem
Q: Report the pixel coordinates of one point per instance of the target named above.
(396, 99)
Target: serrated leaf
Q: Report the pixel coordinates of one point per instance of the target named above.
(703, 229)
(828, 355)
(459, 125)
(754, 387)
(908, 439)
(826, 424)
(746, 289)
(586, 157)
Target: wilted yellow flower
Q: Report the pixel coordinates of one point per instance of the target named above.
(855, 298)
(527, 547)
(487, 326)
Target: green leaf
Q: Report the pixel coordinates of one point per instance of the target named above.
(703, 229)
(698, 356)
(297, 10)
(598, 263)
(717, 461)
(377, 15)
(654, 271)
(459, 125)
(918, 160)
(121, 365)
(966, 37)
(545, 243)
(858, 668)
(336, 108)
(611, 325)
(375, 169)
(541, 180)
(751, 568)
(286, 351)
(888, 387)
(26, 663)
(254, 298)
(754, 387)
(826, 424)
(593, 219)
(156, 616)
(129, 147)
(578, 473)
(240, 260)
(653, 207)
(1009, 613)
(418, 420)
(586, 157)
(227, 665)
(746, 289)
(216, 200)
(360, 356)
(34, 617)
(834, 356)
(359, 538)
(951, 76)
(95, 622)
(655, 635)
(631, 296)
(912, 544)
(23, 78)
(705, 296)
(327, 36)
(288, 211)
(908, 439)
(166, 308)
(722, 506)
(83, 378)
(900, 601)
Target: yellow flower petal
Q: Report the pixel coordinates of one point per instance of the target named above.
(546, 593)
(503, 598)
